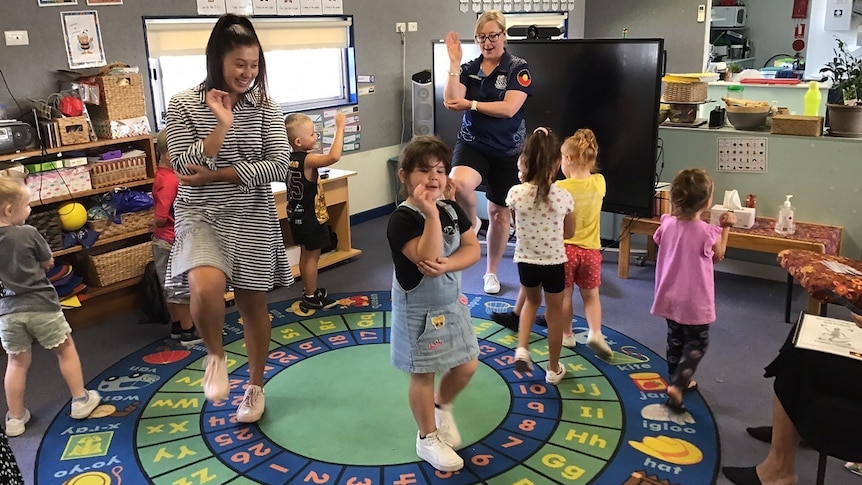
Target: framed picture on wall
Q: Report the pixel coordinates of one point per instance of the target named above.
(83, 39)
(56, 3)
(104, 2)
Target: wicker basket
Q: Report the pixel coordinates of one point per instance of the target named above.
(47, 222)
(797, 125)
(132, 221)
(73, 130)
(120, 97)
(685, 92)
(116, 172)
(123, 264)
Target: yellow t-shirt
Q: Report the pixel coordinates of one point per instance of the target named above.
(588, 194)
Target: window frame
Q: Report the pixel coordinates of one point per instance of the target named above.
(349, 89)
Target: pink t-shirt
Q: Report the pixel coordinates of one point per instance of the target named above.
(684, 279)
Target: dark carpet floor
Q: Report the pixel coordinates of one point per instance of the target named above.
(749, 330)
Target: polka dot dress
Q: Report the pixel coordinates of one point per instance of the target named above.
(9, 471)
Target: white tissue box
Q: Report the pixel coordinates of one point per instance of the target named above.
(744, 216)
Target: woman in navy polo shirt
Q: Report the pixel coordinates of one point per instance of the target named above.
(491, 91)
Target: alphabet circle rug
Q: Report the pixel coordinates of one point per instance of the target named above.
(337, 413)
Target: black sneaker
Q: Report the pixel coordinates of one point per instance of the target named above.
(176, 330)
(190, 337)
(507, 320)
(319, 300)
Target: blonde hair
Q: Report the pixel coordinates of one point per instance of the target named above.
(491, 16)
(12, 190)
(162, 142)
(293, 122)
(583, 148)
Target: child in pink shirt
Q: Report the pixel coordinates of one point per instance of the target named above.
(688, 247)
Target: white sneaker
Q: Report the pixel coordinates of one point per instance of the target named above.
(438, 454)
(82, 409)
(447, 430)
(599, 346)
(554, 377)
(252, 406)
(216, 385)
(16, 426)
(569, 341)
(523, 363)
(492, 284)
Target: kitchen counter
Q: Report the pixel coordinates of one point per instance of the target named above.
(790, 96)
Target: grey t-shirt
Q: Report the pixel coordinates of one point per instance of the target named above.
(23, 284)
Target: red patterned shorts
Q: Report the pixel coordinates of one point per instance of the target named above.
(583, 267)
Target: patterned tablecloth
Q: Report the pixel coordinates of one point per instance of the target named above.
(820, 281)
(830, 236)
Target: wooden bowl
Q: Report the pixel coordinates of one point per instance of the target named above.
(748, 109)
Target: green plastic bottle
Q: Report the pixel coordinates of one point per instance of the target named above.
(812, 99)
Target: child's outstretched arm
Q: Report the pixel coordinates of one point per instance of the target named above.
(726, 220)
(317, 160)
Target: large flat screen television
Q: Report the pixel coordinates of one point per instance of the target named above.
(611, 86)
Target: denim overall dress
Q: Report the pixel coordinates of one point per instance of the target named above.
(431, 326)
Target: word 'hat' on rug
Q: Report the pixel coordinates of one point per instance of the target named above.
(337, 413)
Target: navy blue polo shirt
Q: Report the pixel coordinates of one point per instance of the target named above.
(506, 135)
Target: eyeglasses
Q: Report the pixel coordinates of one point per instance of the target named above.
(492, 37)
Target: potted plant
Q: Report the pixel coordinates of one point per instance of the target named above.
(732, 70)
(845, 72)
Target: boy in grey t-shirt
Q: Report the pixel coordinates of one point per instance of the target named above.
(30, 310)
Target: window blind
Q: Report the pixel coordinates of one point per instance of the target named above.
(189, 36)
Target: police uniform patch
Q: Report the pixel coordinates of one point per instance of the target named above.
(524, 78)
(501, 82)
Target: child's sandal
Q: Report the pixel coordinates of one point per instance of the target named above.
(677, 408)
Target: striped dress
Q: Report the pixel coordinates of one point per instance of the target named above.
(228, 226)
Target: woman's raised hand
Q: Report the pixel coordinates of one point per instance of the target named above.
(219, 103)
(453, 46)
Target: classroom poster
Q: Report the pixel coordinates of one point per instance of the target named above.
(265, 7)
(83, 39)
(311, 7)
(238, 7)
(211, 7)
(288, 7)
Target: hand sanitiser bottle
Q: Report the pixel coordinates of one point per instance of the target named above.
(785, 224)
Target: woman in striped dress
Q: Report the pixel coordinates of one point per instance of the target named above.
(226, 139)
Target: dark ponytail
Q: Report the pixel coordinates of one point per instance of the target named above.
(232, 31)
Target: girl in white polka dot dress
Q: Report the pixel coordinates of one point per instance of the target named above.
(543, 219)
(584, 258)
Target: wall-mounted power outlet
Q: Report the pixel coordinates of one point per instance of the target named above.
(400, 26)
(412, 26)
(17, 37)
(701, 13)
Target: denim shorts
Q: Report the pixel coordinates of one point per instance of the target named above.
(19, 330)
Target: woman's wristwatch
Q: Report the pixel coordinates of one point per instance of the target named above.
(474, 105)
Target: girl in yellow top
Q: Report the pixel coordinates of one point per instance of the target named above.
(584, 258)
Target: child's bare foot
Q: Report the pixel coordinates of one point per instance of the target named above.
(674, 399)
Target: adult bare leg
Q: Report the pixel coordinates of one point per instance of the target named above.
(257, 330)
(499, 225)
(207, 285)
(466, 179)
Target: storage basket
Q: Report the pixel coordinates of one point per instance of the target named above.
(116, 172)
(47, 222)
(73, 130)
(131, 221)
(685, 92)
(120, 265)
(797, 125)
(120, 97)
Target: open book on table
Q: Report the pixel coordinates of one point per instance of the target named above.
(830, 335)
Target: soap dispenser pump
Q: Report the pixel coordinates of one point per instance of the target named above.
(785, 224)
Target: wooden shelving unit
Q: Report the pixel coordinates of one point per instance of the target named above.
(105, 301)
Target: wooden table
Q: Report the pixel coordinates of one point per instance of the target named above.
(819, 238)
(338, 206)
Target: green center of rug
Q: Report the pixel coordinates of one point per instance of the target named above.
(350, 406)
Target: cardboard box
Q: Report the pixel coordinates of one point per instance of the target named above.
(112, 129)
(74, 162)
(76, 179)
(744, 217)
(44, 166)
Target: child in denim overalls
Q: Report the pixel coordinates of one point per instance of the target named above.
(432, 242)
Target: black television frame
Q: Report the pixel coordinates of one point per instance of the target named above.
(625, 193)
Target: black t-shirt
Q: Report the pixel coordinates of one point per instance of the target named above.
(406, 224)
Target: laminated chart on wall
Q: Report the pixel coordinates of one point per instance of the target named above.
(477, 6)
(311, 7)
(324, 125)
(288, 7)
(741, 154)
